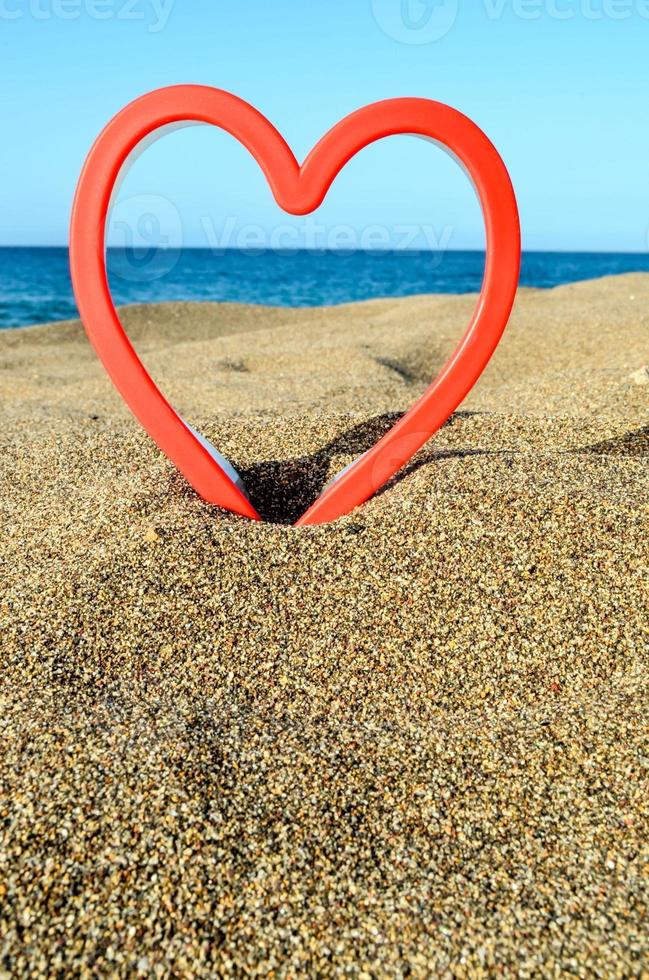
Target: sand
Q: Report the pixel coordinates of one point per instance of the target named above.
(410, 743)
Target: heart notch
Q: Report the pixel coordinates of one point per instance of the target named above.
(297, 189)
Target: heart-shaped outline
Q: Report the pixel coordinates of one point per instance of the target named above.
(297, 190)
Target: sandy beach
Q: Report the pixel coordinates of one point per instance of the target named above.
(410, 743)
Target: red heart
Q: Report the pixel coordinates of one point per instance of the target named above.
(298, 190)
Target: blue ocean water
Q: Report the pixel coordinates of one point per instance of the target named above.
(35, 282)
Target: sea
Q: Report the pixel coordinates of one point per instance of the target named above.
(35, 282)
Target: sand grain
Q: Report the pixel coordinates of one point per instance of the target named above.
(410, 743)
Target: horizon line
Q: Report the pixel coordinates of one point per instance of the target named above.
(402, 251)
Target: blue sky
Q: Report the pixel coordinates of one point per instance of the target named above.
(560, 86)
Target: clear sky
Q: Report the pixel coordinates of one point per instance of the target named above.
(560, 86)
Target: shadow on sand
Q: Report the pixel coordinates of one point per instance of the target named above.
(281, 490)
